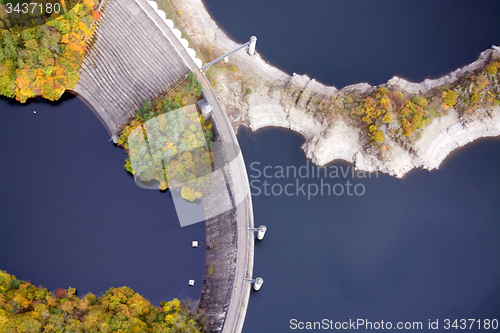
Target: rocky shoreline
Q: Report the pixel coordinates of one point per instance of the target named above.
(296, 102)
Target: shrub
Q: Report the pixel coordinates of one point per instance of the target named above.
(378, 136)
(482, 81)
(492, 67)
(234, 69)
(421, 101)
(450, 98)
(248, 91)
(387, 118)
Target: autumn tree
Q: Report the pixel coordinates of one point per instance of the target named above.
(26, 308)
(492, 67)
(43, 60)
(390, 113)
(449, 98)
(171, 145)
(375, 110)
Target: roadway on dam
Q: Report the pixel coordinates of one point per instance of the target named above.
(135, 56)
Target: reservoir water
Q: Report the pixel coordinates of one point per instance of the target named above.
(342, 42)
(425, 247)
(70, 215)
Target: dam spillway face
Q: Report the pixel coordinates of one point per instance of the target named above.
(130, 60)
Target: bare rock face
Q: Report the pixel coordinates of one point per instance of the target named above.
(339, 141)
(359, 89)
(399, 84)
(448, 133)
(296, 102)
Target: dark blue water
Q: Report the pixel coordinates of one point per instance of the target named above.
(70, 215)
(426, 247)
(341, 42)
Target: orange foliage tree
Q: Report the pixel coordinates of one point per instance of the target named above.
(44, 60)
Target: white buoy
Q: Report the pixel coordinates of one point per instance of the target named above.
(34, 111)
(191, 283)
(251, 47)
(262, 232)
(258, 283)
(226, 59)
(195, 244)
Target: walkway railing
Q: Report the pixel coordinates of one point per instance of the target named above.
(225, 55)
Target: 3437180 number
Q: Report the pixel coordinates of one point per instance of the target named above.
(464, 324)
(33, 8)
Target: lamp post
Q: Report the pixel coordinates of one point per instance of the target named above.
(251, 48)
(257, 283)
(261, 231)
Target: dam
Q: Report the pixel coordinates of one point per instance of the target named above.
(136, 55)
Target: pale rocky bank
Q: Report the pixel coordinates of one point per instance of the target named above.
(296, 102)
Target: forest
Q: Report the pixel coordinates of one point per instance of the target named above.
(175, 151)
(43, 60)
(387, 112)
(27, 308)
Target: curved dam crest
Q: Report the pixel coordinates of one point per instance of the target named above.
(115, 79)
(229, 246)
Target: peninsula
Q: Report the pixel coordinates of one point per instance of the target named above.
(349, 124)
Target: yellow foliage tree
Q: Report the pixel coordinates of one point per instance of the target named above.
(190, 193)
(449, 98)
(44, 61)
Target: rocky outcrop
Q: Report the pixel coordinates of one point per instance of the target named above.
(399, 84)
(298, 103)
(450, 132)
